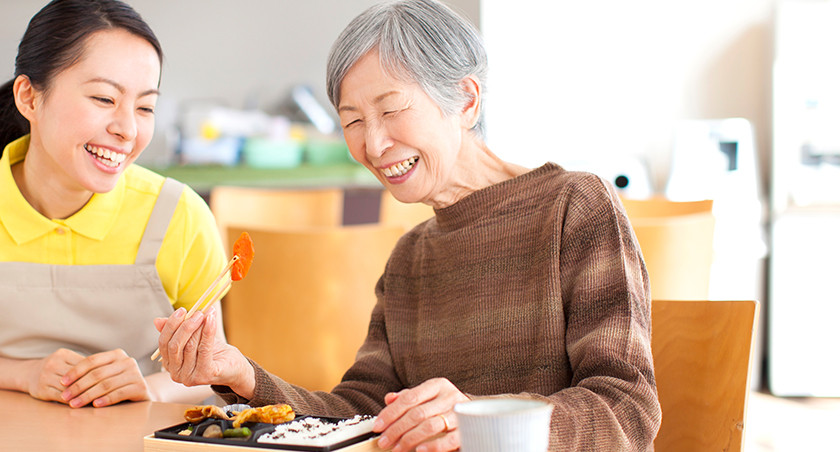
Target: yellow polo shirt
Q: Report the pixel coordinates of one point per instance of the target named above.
(108, 230)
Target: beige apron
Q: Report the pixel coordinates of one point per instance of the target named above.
(89, 308)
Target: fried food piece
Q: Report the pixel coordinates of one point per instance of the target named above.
(270, 414)
(199, 413)
(244, 248)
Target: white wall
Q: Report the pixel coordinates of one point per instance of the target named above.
(573, 80)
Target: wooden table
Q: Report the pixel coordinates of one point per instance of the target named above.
(34, 425)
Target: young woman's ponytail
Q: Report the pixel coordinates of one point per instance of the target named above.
(12, 124)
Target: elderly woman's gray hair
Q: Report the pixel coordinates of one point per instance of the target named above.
(420, 41)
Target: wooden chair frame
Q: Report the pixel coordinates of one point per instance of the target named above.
(271, 208)
(702, 353)
(304, 309)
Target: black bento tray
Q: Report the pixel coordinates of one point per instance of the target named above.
(257, 430)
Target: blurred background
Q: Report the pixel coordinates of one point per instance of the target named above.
(735, 101)
(570, 81)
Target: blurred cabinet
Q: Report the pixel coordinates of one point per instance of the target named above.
(802, 336)
(361, 188)
(202, 178)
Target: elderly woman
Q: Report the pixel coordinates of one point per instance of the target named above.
(526, 283)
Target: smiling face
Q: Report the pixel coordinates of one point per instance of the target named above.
(396, 131)
(97, 116)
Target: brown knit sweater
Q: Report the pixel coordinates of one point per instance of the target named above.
(532, 287)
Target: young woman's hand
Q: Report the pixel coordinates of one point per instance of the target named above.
(104, 379)
(44, 377)
(193, 355)
(413, 416)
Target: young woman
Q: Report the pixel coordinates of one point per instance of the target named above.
(92, 248)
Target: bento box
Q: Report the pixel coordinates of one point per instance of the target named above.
(188, 437)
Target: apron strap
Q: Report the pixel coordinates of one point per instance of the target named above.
(158, 223)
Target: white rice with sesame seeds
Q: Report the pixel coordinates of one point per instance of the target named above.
(310, 431)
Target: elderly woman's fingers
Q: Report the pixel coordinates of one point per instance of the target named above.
(160, 322)
(205, 369)
(448, 442)
(189, 352)
(399, 403)
(170, 326)
(182, 344)
(417, 414)
(434, 432)
(199, 364)
(416, 426)
(437, 394)
(205, 365)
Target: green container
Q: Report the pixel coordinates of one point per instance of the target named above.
(327, 152)
(266, 153)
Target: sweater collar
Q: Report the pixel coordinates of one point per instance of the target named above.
(481, 203)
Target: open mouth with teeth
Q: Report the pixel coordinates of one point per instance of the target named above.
(398, 169)
(106, 157)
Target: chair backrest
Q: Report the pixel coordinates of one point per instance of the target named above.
(393, 212)
(677, 242)
(702, 361)
(304, 308)
(274, 208)
(661, 207)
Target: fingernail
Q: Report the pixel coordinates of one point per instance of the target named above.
(384, 442)
(421, 449)
(98, 403)
(65, 395)
(378, 424)
(75, 403)
(180, 313)
(64, 380)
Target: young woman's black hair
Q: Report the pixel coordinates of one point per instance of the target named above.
(55, 40)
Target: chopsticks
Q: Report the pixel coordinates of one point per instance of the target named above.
(217, 295)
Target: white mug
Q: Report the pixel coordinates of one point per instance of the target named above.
(504, 425)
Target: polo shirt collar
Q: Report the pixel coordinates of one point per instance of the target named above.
(24, 223)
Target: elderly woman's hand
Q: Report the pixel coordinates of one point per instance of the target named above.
(194, 356)
(415, 415)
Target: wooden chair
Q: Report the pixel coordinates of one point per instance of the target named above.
(304, 308)
(393, 212)
(661, 207)
(274, 208)
(676, 239)
(702, 361)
